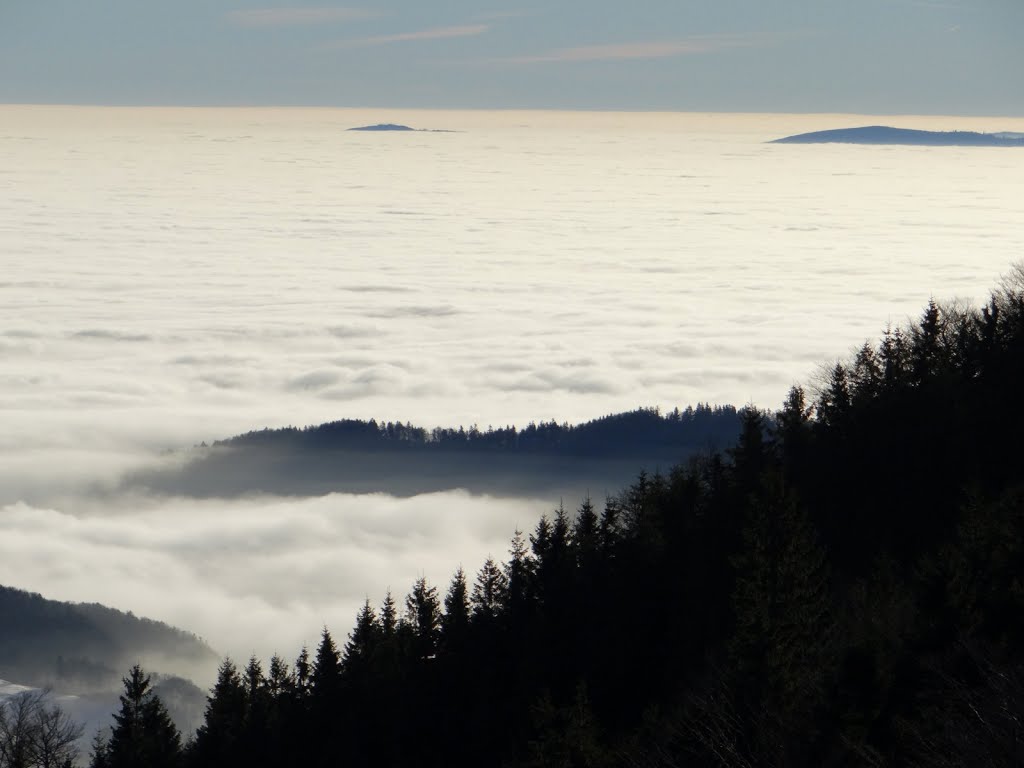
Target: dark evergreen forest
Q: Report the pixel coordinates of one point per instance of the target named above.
(841, 587)
(539, 460)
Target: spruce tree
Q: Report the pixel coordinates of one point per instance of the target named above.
(100, 752)
(894, 356)
(143, 735)
(279, 679)
(866, 377)
(926, 346)
(455, 620)
(519, 577)
(489, 593)
(325, 677)
(584, 534)
(259, 712)
(793, 433)
(303, 674)
(217, 740)
(609, 527)
(834, 404)
(388, 616)
(362, 641)
(540, 540)
(751, 454)
(423, 616)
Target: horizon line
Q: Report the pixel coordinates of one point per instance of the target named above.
(581, 110)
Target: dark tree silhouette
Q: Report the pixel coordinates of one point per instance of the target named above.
(143, 735)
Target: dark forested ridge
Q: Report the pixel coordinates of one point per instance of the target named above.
(842, 587)
(367, 456)
(79, 647)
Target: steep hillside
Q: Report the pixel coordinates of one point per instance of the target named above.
(78, 648)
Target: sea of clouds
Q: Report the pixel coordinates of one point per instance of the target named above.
(175, 276)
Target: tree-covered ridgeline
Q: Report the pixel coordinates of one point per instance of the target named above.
(842, 587)
(540, 460)
(630, 433)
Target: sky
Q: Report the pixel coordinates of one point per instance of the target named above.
(953, 57)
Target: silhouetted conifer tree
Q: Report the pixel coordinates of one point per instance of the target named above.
(894, 355)
(866, 377)
(279, 679)
(834, 405)
(518, 576)
(489, 594)
(143, 735)
(99, 756)
(750, 456)
(325, 677)
(303, 673)
(423, 616)
(218, 740)
(388, 616)
(793, 433)
(926, 344)
(609, 526)
(585, 537)
(362, 641)
(455, 621)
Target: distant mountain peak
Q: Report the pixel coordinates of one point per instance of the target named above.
(389, 127)
(383, 127)
(884, 134)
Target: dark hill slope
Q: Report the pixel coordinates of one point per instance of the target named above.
(75, 647)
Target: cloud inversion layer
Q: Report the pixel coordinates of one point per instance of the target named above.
(200, 274)
(185, 275)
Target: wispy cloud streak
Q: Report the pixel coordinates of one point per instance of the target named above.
(292, 17)
(432, 33)
(651, 49)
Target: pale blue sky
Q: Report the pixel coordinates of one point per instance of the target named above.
(880, 56)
